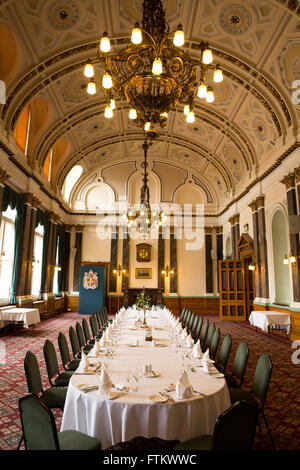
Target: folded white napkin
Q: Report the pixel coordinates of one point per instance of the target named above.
(184, 334)
(84, 363)
(96, 349)
(189, 341)
(197, 352)
(102, 341)
(105, 383)
(183, 387)
(206, 362)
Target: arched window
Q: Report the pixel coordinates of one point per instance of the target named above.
(71, 179)
(7, 237)
(283, 294)
(37, 261)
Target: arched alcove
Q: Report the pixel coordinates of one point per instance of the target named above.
(283, 293)
(135, 185)
(9, 55)
(228, 248)
(188, 194)
(70, 180)
(100, 198)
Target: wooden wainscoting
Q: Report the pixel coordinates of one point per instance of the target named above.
(199, 305)
(294, 314)
(72, 303)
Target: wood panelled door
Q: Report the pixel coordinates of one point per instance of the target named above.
(232, 290)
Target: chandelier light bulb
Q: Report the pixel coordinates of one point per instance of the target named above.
(202, 90)
(107, 81)
(210, 97)
(207, 57)
(218, 75)
(132, 114)
(147, 126)
(108, 113)
(286, 260)
(89, 70)
(186, 110)
(164, 115)
(179, 37)
(112, 104)
(293, 259)
(136, 35)
(91, 88)
(157, 67)
(190, 118)
(105, 43)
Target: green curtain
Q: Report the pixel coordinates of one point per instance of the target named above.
(15, 201)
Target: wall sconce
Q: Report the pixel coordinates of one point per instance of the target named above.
(58, 267)
(34, 261)
(291, 259)
(252, 266)
(119, 270)
(167, 270)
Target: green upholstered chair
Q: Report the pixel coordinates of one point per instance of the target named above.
(182, 315)
(234, 431)
(99, 320)
(52, 397)
(67, 362)
(40, 432)
(198, 329)
(214, 344)
(86, 332)
(190, 322)
(222, 360)
(56, 378)
(81, 340)
(203, 333)
(235, 379)
(259, 389)
(187, 318)
(74, 343)
(93, 324)
(194, 325)
(209, 336)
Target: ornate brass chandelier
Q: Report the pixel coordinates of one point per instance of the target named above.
(145, 216)
(154, 73)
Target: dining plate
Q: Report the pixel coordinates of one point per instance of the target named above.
(157, 398)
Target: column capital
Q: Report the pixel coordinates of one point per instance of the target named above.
(208, 230)
(289, 181)
(35, 202)
(79, 228)
(253, 206)
(69, 227)
(53, 217)
(3, 176)
(232, 220)
(297, 175)
(260, 201)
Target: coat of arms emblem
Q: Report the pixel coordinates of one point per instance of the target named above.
(90, 280)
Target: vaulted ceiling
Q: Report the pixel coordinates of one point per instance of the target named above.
(232, 142)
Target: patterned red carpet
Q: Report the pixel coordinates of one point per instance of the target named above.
(282, 406)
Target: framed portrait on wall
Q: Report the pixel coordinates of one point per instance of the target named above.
(143, 273)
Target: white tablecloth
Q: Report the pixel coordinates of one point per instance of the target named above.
(29, 316)
(114, 421)
(263, 319)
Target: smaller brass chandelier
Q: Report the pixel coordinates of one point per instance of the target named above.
(145, 217)
(154, 73)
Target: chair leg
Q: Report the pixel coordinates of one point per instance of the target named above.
(269, 432)
(20, 442)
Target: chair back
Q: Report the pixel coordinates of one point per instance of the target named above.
(187, 318)
(235, 428)
(80, 335)
(32, 372)
(204, 332)
(198, 329)
(214, 344)
(262, 377)
(38, 424)
(210, 334)
(86, 330)
(191, 320)
(225, 351)
(50, 360)
(182, 314)
(74, 341)
(240, 361)
(63, 349)
(194, 325)
(93, 325)
(98, 319)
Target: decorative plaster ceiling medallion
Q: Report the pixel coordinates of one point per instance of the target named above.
(139, 4)
(259, 129)
(235, 19)
(63, 15)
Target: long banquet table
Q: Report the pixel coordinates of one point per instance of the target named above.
(133, 415)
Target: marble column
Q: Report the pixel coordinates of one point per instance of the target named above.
(25, 256)
(78, 257)
(113, 262)
(3, 178)
(125, 260)
(257, 259)
(235, 235)
(219, 234)
(173, 263)
(233, 243)
(161, 261)
(208, 260)
(290, 182)
(264, 275)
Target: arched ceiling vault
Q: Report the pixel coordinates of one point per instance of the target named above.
(255, 43)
